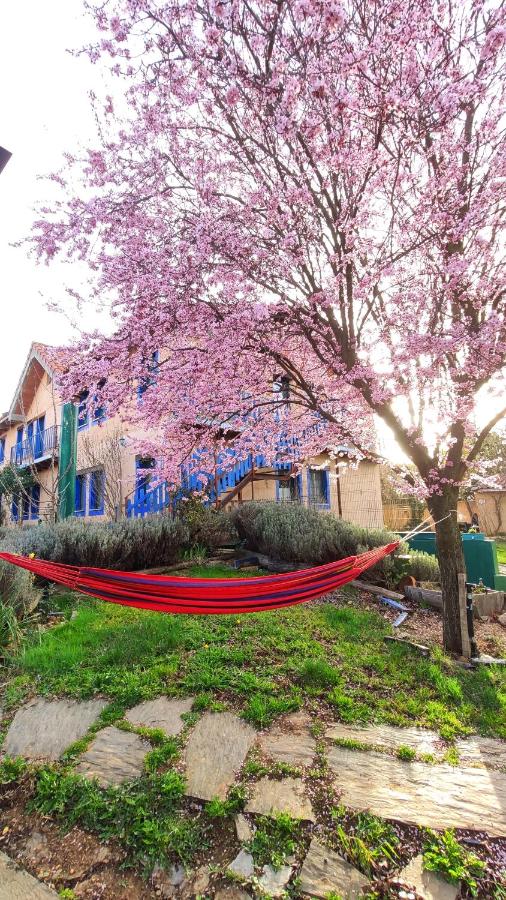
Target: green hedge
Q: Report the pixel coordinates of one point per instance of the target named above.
(129, 544)
(300, 534)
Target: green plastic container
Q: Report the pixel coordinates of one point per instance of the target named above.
(480, 555)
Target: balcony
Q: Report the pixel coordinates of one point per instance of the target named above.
(37, 449)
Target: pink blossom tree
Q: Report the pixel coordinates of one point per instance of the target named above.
(303, 196)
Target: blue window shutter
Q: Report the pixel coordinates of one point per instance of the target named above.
(35, 501)
(14, 509)
(309, 486)
(2, 449)
(80, 501)
(326, 486)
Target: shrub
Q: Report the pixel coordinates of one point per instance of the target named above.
(18, 598)
(208, 527)
(130, 544)
(302, 535)
(423, 566)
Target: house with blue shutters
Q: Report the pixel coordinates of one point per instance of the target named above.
(111, 480)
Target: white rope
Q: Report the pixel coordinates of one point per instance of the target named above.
(420, 530)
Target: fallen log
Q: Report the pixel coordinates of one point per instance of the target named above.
(375, 589)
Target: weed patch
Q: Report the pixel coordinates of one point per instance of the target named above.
(367, 842)
(275, 839)
(143, 816)
(443, 853)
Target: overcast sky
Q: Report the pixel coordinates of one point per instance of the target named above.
(44, 111)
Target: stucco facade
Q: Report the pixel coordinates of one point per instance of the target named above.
(107, 470)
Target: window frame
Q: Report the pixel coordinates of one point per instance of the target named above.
(325, 503)
(96, 510)
(297, 489)
(35, 501)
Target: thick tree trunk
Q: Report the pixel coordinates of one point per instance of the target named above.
(451, 564)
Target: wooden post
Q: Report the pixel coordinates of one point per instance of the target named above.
(466, 643)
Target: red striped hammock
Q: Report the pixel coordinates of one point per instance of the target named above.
(176, 594)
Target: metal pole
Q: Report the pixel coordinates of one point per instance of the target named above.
(470, 619)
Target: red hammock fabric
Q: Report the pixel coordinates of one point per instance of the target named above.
(174, 594)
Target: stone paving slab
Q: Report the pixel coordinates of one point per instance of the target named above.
(113, 757)
(418, 739)
(429, 885)
(290, 741)
(231, 892)
(242, 865)
(483, 751)
(16, 884)
(440, 796)
(288, 795)
(273, 881)
(160, 713)
(43, 729)
(216, 750)
(325, 872)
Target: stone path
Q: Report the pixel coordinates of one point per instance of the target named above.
(15, 884)
(440, 796)
(388, 737)
(215, 752)
(324, 872)
(160, 713)
(471, 795)
(290, 741)
(242, 865)
(428, 884)
(274, 881)
(113, 757)
(483, 751)
(288, 795)
(43, 729)
(232, 892)
(474, 750)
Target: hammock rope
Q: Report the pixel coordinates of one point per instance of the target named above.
(198, 596)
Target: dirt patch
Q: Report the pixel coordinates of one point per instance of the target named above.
(425, 626)
(75, 860)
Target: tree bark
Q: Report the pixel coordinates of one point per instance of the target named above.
(451, 564)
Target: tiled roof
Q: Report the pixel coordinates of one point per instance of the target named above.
(51, 356)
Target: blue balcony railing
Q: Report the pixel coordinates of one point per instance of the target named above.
(39, 446)
(145, 501)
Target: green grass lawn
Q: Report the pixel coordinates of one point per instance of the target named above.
(261, 664)
(501, 551)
